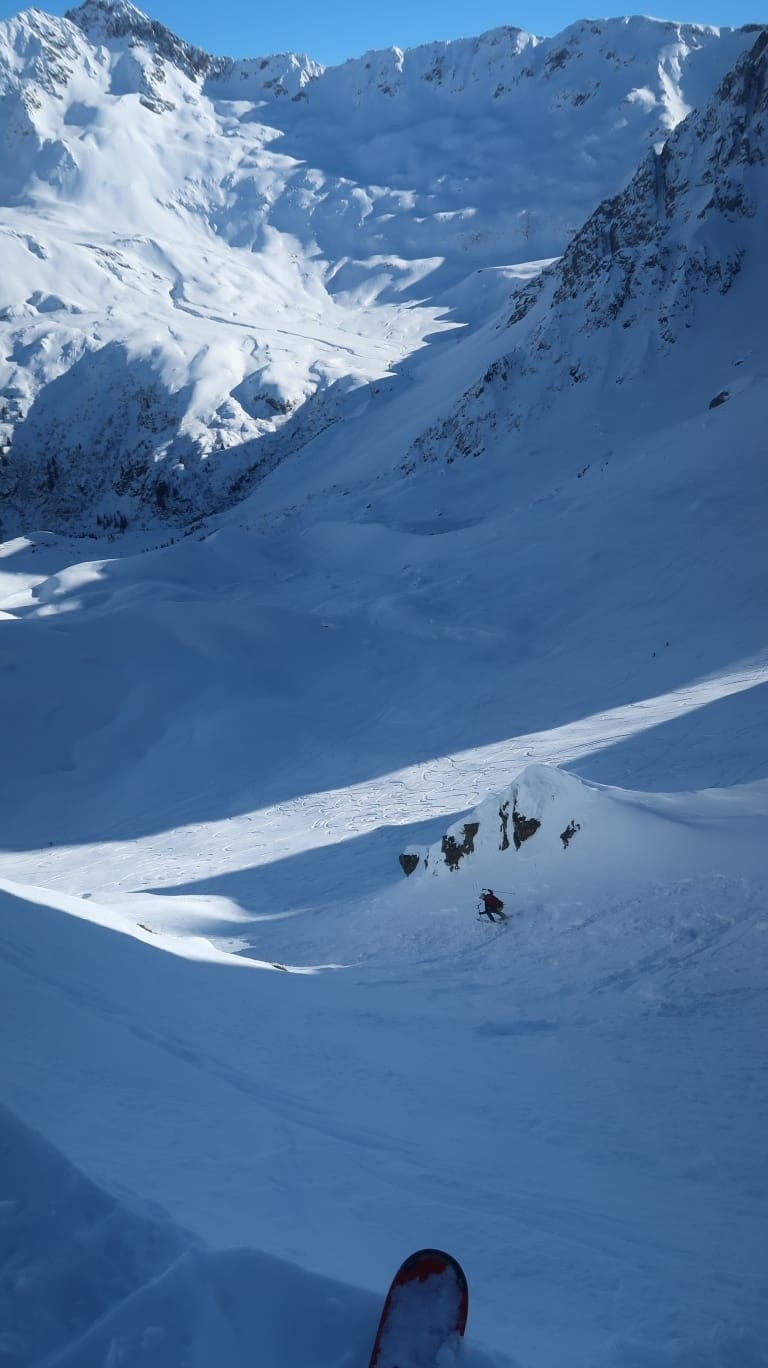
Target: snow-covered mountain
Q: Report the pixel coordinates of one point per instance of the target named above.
(661, 292)
(485, 588)
(201, 263)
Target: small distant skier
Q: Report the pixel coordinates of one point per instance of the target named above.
(491, 906)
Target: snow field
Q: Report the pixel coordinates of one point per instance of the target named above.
(541, 1094)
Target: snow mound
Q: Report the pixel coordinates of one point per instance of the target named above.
(550, 826)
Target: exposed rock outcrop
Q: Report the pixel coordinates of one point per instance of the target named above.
(535, 803)
(454, 850)
(692, 219)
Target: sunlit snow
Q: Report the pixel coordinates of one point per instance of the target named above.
(495, 601)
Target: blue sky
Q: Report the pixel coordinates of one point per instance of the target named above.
(337, 29)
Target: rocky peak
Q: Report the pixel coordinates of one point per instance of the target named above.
(111, 19)
(105, 20)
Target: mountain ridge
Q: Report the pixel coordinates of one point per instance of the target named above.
(255, 269)
(645, 259)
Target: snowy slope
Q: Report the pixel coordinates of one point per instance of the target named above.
(647, 278)
(573, 1102)
(98, 1283)
(496, 590)
(194, 247)
(208, 733)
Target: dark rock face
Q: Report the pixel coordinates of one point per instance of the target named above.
(523, 827)
(408, 862)
(453, 851)
(638, 238)
(504, 818)
(570, 831)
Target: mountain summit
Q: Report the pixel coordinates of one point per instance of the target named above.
(105, 20)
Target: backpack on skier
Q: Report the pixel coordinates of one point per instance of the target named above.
(492, 906)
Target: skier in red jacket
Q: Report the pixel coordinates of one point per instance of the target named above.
(492, 907)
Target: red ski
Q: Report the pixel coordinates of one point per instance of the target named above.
(425, 1313)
